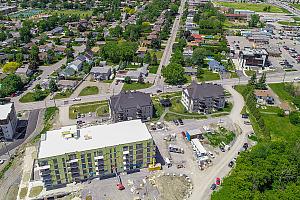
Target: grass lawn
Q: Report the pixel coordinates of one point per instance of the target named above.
(252, 6)
(158, 53)
(249, 72)
(209, 76)
(108, 81)
(279, 89)
(295, 5)
(82, 13)
(35, 191)
(287, 23)
(29, 97)
(23, 192)
(89, 90)
(219, 136)
(62, 95)
(177, 106)
(280, 127)
(233, 75)
(136, 86)
(158, 108)
(296, 18)
(100, 107)
(153, 69)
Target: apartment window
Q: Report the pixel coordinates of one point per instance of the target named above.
(139, 156)
(83, 165)
(82, 156)
(54, 161)
(139, 146)
(57, 177)
(140, 151)
(125, 148)
(58, 182)
(89, 160)
(84, 171)
(43, 162)
(72, 156)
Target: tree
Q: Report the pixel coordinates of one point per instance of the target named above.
(53, 86)
(253, 79)
(127, 80)
(10, 67)
(34, 57)
(255, 19)
(295, 118)
(10, 84)
(154, 59)
(155, 43)
(19, 57)
(2, 36)
(174, 74)
(261, 85)
(86, 67)
(50, 56)
(200, 72)
(147, 58)
(198, 56)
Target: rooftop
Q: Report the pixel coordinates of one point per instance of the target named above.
(62, 141)
(5, 110)
(203, 90)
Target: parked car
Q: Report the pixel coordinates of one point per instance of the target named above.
(211, 154)
(245, 116)
(231, 163)
(222, 149)
(2, 161)
(175, 122)
(213, 186)
(245, 145)
(247, 122)
(180, 121)
(218, 181)
(77, 99)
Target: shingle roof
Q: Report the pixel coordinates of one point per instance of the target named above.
(200, 91)
(129, 99)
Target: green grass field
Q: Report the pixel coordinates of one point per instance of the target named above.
(100, 107)
(29, 97)
(153, 69)
(295, 5)
(279, 89)
(209, 76)
(286, 23)
(252, 6)
(219, 136)
(136, 86)
(89, 90)
(62, 95)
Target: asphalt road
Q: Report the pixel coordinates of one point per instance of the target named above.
(32, 124)
(165, 59)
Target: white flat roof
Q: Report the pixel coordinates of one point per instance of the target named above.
(5, 110)
(199, 146)
(93, 137)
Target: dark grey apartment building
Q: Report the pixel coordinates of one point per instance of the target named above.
(129, 105)
(203, 98)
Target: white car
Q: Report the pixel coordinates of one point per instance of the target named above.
(2, 161)
(211, 154)
(77, 99)
(296, 79)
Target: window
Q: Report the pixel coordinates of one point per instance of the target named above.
(125, 148)
(43, 162)
(140, 151)
(139, 146)
(139, 156)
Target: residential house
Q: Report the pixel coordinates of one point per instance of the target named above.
(24, 71)
(101, 73)
(142, 51)
(203, 98)
(80, 40)
(67, 72)
(129, 105)
(264, 96)
(66, 84)
(76, 65)
(188, 52)
(57, 30)
(190, 71)
(233, 17)
(216, 66)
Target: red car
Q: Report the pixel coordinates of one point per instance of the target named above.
(218, 181)
(120, 186)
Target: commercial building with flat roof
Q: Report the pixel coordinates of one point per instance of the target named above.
(8, 121)
(71, 154)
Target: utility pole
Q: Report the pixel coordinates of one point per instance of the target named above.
(284, 77)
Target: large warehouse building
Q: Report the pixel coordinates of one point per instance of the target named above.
(70, 154)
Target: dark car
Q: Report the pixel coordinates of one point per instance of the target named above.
(180, 121)
(245, 116)
(175, 122)
(222, 149)
(245, 145)
(213, 186)
(230, 164)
